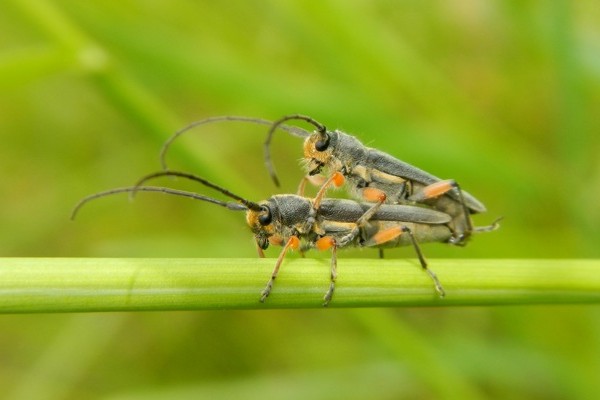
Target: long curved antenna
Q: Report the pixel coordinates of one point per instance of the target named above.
(247, 203)
(176, 192)
(321, 129)
(293, 130)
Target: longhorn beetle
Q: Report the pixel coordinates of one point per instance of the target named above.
(294, 222)
(366, 167)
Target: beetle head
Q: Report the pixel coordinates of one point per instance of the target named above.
(318, 151)
(261, 225)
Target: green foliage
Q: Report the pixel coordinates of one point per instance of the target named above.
(501, 96)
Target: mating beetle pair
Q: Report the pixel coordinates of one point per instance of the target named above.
(399, 204)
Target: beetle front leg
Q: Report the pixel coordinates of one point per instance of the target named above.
(316, 180)
(293, 243)
(259, 249)
(336, 179)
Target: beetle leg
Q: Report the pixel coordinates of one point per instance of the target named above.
(372, 195)
(434, 190)
(316, 180)
(301, 186)
(325, 243)
(440, 188)
(389, 234)
(492, 227)
(293, 243)
(336, 179)
(384, 236)
(260, 251)
(432, 275)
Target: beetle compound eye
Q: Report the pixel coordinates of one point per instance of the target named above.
(322, 144)
(265, 219)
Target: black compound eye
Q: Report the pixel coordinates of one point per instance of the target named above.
(322, 144)
(265, 219)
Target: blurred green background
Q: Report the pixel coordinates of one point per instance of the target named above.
(502, 96)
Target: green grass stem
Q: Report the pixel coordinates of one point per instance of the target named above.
(31, 285)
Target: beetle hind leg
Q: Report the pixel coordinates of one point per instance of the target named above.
(441, 188)
(390, 234)
(438, 286)
(488, 228)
